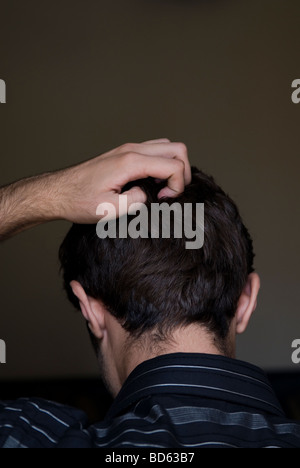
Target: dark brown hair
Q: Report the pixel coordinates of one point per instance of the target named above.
(157, 284)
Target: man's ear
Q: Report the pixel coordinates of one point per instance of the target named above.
(247, 302)
(92, 310)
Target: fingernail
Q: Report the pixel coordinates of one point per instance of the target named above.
(167, 193)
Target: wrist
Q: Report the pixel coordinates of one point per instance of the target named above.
(51, 188)
(36, 198)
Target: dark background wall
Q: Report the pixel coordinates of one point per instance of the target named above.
(85, 76)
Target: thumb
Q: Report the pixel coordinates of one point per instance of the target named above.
(135, 196)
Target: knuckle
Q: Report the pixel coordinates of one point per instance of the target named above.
(127, 147)
(129, 158)
(179, 164)
(182, 149)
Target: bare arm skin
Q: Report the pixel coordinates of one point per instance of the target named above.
(74, 194)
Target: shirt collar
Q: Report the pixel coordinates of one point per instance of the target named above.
(199, 375)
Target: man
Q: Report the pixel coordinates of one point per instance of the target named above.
(163, 319)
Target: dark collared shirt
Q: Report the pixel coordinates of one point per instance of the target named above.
(173, 401)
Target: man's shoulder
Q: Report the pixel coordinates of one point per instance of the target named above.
(36, 423)
(182, 424)
(33, 422)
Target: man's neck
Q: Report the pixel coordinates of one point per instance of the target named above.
(191, 339)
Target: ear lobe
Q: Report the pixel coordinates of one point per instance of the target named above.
(247, 302)
(91, 309)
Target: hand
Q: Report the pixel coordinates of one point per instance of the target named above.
(82, 188)
(74, 194)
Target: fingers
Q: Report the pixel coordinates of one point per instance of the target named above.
(163, 148)
(134, 198)
(116, 205)
(139, 166)
(172, 151)
(159, 140)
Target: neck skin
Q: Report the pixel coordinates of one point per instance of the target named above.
(120, 356)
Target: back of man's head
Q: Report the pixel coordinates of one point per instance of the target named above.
(157, 284)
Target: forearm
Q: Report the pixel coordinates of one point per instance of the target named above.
(73, 194)
(27, 203)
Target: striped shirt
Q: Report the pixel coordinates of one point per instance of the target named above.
(172, 401)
